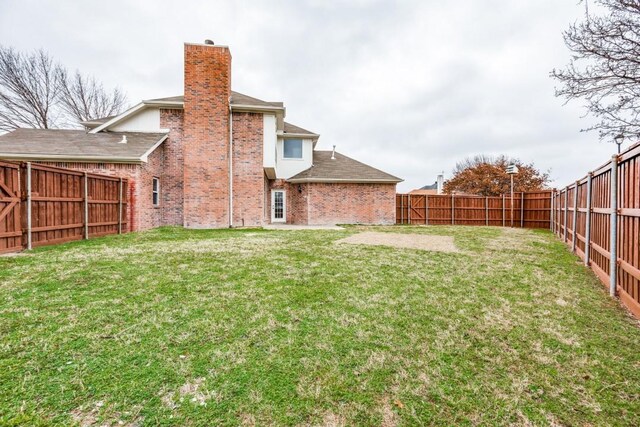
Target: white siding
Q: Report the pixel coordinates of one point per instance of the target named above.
(286, 168)
(270, 138)
(147, 120)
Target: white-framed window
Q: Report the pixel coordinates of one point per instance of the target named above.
(292, 149)
(155, 191)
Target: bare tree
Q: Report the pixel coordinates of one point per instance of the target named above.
(36, 92)
(83, 98)
(605, 67)
(29, 90)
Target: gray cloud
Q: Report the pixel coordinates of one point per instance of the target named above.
(408, 86)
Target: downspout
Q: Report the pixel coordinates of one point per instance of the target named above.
(230, 165)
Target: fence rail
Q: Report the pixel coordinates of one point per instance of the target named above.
(598, 216)
(530, 210)
(45, 205)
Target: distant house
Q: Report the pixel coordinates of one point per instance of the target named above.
(435, 188)
(213, 157)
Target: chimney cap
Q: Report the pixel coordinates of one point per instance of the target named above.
(209, 41)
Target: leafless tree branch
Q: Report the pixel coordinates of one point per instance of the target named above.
(36, 92)
(604, 70)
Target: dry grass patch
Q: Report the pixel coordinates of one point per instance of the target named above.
(406, 241)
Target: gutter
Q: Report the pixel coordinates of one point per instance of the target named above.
(65, 158)
(164, 103)
(298, 135)
(250, 108)
(230, 165)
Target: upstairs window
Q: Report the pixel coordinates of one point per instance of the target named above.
(292, 149)
(155, 191)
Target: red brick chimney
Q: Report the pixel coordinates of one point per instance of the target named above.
(207, 88)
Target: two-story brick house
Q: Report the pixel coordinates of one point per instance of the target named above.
(215, 158)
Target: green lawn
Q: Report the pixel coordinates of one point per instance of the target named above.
(253, 327)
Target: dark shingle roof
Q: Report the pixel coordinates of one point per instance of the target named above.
(293, 129)
(237, 98)
(341, 169)
(77, 144)
(433, 186)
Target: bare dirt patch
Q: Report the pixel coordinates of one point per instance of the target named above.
(423, 242)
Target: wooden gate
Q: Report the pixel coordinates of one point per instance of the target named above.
(10, 217)
(45, 205)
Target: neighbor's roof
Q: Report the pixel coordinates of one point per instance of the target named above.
(77, 145)
(341, 169)
(433, 186)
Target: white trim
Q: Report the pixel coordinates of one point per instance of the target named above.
(145, 156)
(66, 158)
(170, 104)
(119, 118)
(284, 206)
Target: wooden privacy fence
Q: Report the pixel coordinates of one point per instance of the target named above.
(598, 216)
(530, 209)
(44, 205)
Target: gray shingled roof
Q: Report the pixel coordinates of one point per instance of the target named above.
(341, 169)
(77, 145)
(237, 98)
(433, 186)
(293, 129)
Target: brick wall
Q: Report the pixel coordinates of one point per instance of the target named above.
(173, 172)
(296, 197)
(141, 214)
(248, 171)
(207, 88)
(150, 216)
(351, 203)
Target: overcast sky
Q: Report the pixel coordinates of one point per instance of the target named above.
(410, 87)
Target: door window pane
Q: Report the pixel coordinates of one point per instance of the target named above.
(278, 204)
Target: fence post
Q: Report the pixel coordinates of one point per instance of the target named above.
(587, 229)
(613, 249)
(503, 212)
(566, 212)
(29, 242)
(522, 210)
(552, 212)
(574, 240)
(409, 209)
(453, 209)
(85, 208)
(486, 210)
(426, 209)
(402, 209)
(120, 208)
